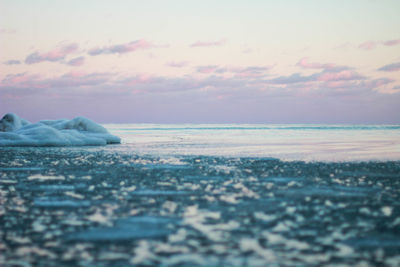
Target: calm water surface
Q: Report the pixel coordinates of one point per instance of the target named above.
(285, 141)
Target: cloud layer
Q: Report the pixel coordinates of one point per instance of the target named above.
(121, 48)
(392, 42)
(55, 55)
(78, 61)
(391, 67)
(369, 45)
(12, 62)
(213, 98)
(240, 79)
(177, 64)
(208, 43)
(304, 63)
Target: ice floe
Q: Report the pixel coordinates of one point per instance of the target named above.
(80, 131)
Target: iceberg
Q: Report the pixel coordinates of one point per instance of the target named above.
(80, 131)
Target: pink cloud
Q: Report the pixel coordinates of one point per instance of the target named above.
(336, 84)
(143, 92)
(251, 78)
(339, 76)
(207, 69)
(392, 42)
(313, 65)
(391, 67)
(71, 79)
(78, 61)
(77, 79)
(210, 43)
(12, 62)
(55, 55)
(137, 80)
(239, 72)
(377, 82)
(345, 45)
(252, 71)
(369, 45)
(292, 79)
(180, 64)
(121, 48)
(20, 80)
(327, 75)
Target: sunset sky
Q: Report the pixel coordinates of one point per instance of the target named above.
(201, 61)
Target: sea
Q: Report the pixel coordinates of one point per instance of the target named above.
(206, 195)
(306, 142)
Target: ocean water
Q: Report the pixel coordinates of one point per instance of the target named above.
(206, 195)
(307, 142)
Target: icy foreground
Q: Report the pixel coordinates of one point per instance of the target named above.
(96, 206)
(15, 131)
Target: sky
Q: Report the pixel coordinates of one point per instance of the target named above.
(173, 61)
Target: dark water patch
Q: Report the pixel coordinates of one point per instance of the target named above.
(159, 193)
(333, 191)
(268, 205)
(368, 174)
(154, 166)
(375, 242)
(52, 187)
(195, 178)
(127, 229)
(60, 203)
(282, 180)
(23, 169)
